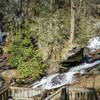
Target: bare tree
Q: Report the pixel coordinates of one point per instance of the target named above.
(72, 29)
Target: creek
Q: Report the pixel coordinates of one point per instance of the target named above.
(60, 79)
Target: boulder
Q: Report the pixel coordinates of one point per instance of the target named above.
(92, 59)
(9, 75)
(94, 70)
(95, 52)
(63, 69)
(72, 57)
(92, 56)
(77, 75)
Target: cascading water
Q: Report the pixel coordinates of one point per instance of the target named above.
(94, 43)
(58, 80)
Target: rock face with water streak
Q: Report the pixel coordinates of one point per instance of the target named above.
(58, 80)
(92, 52)
(95, 70)
(95, 55)
(92, 56)
(72, 57)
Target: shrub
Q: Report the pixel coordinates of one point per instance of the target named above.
(24, 55)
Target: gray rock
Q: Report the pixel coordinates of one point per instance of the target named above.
(95, 70)
(73, 57)
(93, 56)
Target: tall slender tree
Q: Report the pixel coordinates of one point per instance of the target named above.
(72, 28)
(27, 5)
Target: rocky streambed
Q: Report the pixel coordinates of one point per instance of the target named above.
(77, 60)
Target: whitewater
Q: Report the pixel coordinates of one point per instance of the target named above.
(60, 79)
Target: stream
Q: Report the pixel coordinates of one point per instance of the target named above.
(60, 79)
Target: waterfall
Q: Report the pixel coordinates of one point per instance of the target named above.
(94, 43)
(58, 80)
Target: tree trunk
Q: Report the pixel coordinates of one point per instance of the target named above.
(27, 4)
(21, 6)
(72, 29)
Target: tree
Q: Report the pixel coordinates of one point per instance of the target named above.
(24, 54)
(72, 29)
(27, 3)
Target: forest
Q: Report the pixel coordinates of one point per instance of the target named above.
(44, 37)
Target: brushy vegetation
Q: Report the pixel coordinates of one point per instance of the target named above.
(40, 34)
(25, 55)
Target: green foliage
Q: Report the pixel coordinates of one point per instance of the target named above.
(82, 32)
(10, 14)
(50, 26)
(52, 31)
(54, 28)
(24, 55)
(51, 5)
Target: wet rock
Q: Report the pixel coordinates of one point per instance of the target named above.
(95, 70)
(63, 69)
(57, 80)
(95, 52)
(90, 57)
(72, 57)
(93, 56)
(77, 74)
(88, 69)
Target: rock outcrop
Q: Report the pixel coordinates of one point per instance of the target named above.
(92, 56)
(72, 57)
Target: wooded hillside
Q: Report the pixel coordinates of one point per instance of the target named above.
(39, 32)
